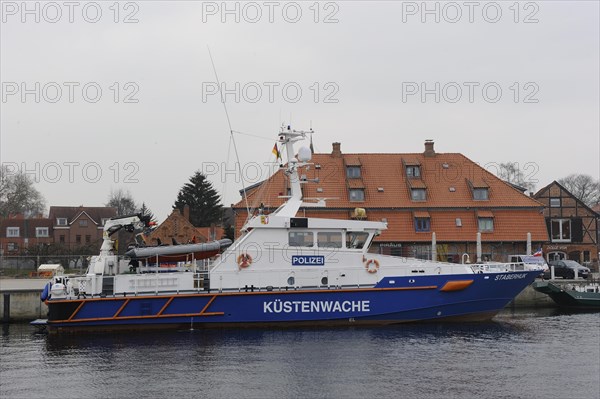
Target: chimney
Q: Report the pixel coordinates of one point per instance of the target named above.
(337, 151)
(186, 212)
(429, 151)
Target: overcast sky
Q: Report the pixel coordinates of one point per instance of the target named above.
(495, 81)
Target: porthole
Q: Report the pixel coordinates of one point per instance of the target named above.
(324, 281)
(291, 281)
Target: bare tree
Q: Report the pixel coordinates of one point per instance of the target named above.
(123, 201)
(583, 187)
(18, 195)
(510, 172)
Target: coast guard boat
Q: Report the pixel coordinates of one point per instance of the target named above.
(283, 270)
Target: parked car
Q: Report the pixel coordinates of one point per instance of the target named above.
(566, 269)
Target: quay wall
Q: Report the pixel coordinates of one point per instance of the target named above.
(20, 300)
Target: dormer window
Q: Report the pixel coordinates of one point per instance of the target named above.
(353, 172)
(418, 194)
(357, 194)
(486, 224)
(422, 224)
(480, 194)
(485, 221)
(413, 171)
(422, 221)
(61, 221)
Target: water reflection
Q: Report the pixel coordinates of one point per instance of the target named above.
(421, 360)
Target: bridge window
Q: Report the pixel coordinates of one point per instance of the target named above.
(329, 239)
(300, 239)
(356, 239)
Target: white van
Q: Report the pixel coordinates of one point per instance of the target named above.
(531, 262)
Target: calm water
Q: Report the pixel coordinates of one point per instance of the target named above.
(519, 355)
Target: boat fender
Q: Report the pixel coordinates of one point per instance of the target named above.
(244, 260)
(372, 269)
(46, 292)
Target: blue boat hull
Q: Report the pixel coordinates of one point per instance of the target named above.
(392, 300)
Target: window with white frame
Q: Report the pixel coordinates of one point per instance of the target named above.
(13, 232)
(413, 171)
(418, 194)
(12, 246)
(353, 172)
(486, 224)
(357, 194)
(61, 221)
(560, 230)
(41, 232)
(480, 194)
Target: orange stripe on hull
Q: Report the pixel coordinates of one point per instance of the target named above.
(456, 285)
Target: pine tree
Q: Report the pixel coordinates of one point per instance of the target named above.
(145, 211)
(202, 199)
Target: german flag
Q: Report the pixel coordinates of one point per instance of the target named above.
(276, 151)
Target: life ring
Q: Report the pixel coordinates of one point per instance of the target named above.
(244, 260)
(372, 269)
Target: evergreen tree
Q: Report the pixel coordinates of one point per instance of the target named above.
(145, 211)
(202, 199)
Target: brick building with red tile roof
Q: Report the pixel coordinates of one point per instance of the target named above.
(177, 228)
(18, 234)
(573, 227)
(417, 194)
(79, 227)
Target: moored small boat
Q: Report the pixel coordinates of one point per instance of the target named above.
(572, 295)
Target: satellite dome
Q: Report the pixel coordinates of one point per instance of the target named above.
(304, 154)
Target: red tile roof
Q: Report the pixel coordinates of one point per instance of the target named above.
(97, 213)
(385, 170)
(448, 179)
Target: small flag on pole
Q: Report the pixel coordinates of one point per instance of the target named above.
(538, 253)
(276, 151)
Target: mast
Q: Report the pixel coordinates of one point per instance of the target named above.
(288, 137)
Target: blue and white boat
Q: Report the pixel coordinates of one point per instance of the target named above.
(283, 270)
